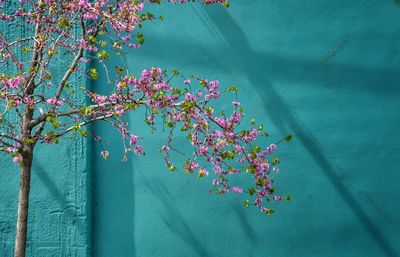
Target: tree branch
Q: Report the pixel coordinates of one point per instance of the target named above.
(11, 52)
(57, 135)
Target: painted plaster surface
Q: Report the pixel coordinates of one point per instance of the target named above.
(59, 214)
(325, 71)
(58, 218)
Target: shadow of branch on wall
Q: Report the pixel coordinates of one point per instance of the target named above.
(174, 219)
(113, 203)
(70, 216)
(235, 41)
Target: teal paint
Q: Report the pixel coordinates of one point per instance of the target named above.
(59, 217)
(325, 71)
(59, 211)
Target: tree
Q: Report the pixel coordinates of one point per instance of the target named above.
(37, 108)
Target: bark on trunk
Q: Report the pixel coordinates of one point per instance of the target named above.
(23, 201)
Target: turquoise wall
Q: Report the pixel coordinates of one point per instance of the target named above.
(327, 72)
(59, 211)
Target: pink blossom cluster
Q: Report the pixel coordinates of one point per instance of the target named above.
(219, 145)
(55, 101)
(11, 83)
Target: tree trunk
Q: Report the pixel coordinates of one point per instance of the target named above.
(23, 201)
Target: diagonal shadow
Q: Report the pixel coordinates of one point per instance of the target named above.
(48, 182)
(113, 190)
(294, 67)
(56, 193)
(174, 220)
(235, 38)
(245, 225)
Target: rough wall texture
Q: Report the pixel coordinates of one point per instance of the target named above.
(326, 71)
(59, 213)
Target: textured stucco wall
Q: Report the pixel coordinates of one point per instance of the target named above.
(325, 71)
(59, 214)
(58, 218)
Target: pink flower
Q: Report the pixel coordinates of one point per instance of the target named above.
(202, 173)
(138, 149)
(251, 136)
(186, 81)
(203, 150)
(99, 99)
(237, 190)
(220, 121)
(133, 140)
(220, 144)
(55, 101)
(213, 86)
(238, 148)
(28, 100)
(113, 98)
(214, 95)
(17, 159)
(271, 148)
(235, 117)
(216, 182)
(6, 55)
(13, 83)
(105, 154)
(190, 97)
(190, 166)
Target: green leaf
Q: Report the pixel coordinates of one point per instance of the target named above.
(103, 43)
(203, 83)
(119, 69)
(140, 38)
(102, 54)
(232, 89)
(150, 16)
(268, 211)
(256, 149)
(76, 127)
(176, 91)
(288, 138)
(93, 73)
(62, 23)
(260, 182)
(251, 191)
(275, 160)
(83, 133)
